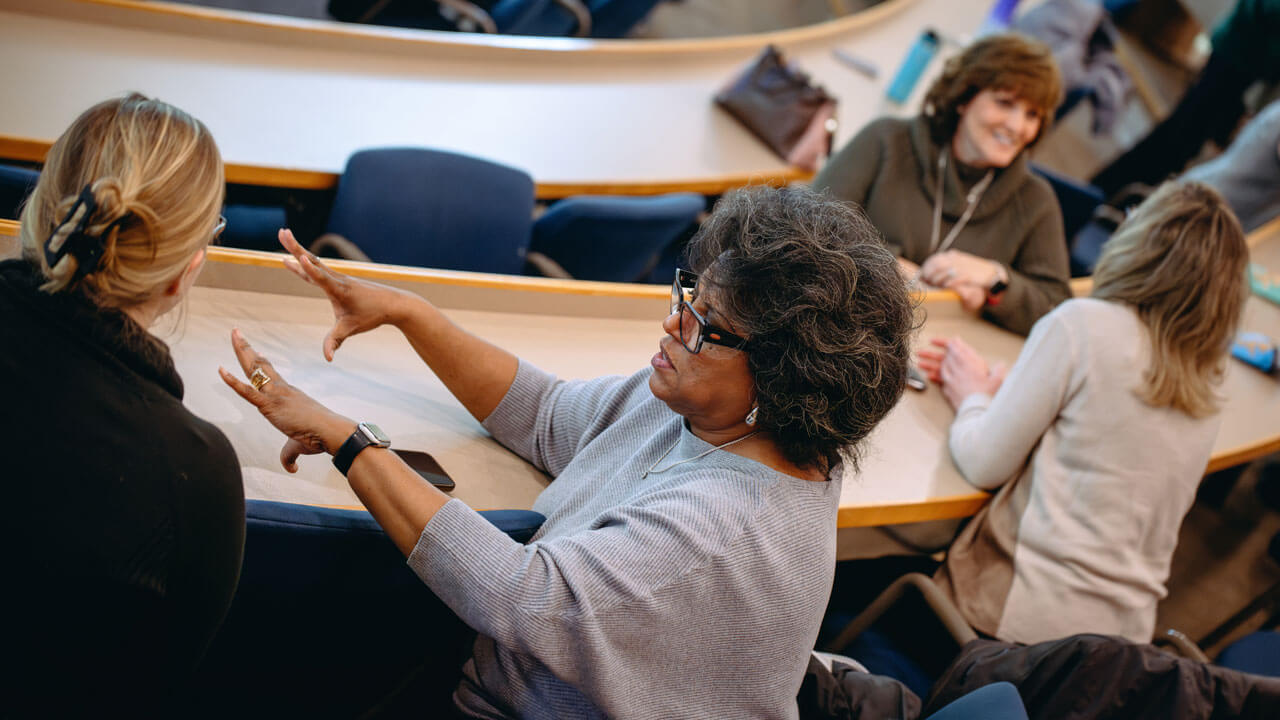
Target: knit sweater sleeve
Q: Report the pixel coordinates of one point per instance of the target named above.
(991, 438)
(546, 421)
(849, 174)
(590, 603)
(1039, 273)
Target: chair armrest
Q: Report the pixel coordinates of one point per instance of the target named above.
(545, 265)
(345, 249)
(472, 12)
(933, 596)
(1180, 645)
(580, 13)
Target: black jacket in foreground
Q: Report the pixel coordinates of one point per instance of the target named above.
(125, 513)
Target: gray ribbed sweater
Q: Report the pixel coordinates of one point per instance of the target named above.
(696, 592)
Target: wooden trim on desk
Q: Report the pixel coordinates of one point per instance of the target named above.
(410, 274)
(958, 506)
(1269, 229)
(403, 273)
(23, 149)
(9, 228)
(702, 186)
(513, 43)
(1241, 455)
(34, 151)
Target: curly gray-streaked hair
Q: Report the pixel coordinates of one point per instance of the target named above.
(809, 281)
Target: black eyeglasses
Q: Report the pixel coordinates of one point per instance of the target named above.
(694, 328)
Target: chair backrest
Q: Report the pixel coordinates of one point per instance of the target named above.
(615, 18)
(429, 208)
(611, 238)
(253, 226)
(328, 618)
(16, 183)
(1077, 200)
(510, 17)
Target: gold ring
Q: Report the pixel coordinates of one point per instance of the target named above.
(259, 378)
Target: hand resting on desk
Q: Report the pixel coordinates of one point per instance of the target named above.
(959, 370)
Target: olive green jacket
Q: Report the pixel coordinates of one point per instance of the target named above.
(890, 169)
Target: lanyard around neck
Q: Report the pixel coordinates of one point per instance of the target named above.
(975, 194)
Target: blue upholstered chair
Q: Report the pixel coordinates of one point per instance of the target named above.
(16, 183)
(254, 227)
(430, 208)
(328, 620)
(509, 17)
(1077, 199)
(617, 239)
(1257, 653)
(1085, 236)
(609, 18)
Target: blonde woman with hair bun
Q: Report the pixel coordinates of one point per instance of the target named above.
(1096, 441)
(128, 524)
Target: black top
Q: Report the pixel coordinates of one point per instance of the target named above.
(125, 512)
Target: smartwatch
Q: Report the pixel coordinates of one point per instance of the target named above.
(1001, 282)
(366, 435)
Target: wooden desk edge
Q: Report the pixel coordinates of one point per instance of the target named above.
(945, 508)
(33, 151)
(403, 273)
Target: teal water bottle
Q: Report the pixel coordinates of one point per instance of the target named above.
(918, 57)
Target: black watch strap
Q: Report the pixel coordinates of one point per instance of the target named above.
(366, 435)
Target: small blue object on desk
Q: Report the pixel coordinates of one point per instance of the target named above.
(862, 65)
(1264, 282)
(918, 58)
(1255, 349)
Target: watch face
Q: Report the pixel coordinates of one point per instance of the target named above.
(375, 434)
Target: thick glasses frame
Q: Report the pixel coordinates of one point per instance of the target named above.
(684, 286)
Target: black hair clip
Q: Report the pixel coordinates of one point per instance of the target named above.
(68, 238)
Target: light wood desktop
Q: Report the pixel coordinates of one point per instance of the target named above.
(289, 100)
(576, 329)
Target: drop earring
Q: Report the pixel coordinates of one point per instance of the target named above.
(751, 416)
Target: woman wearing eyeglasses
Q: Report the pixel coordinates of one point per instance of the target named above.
(687, 555)
(123, 547)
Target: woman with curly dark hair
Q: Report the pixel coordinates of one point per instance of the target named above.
(951, 189)
(687, 555)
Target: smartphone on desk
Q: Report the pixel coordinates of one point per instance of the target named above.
(426, 466)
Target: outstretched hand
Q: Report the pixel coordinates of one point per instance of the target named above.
(956, 367)
(358, 305)
(311, 427)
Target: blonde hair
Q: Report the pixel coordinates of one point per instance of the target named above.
(1180, 260)
(156, 179)
(1003, 61)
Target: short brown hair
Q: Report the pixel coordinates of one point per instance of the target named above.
(1179, 260)
(157, 182)
(1004, 61)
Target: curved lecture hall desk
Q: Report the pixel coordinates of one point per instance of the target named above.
(575, 329)
(290, 99)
